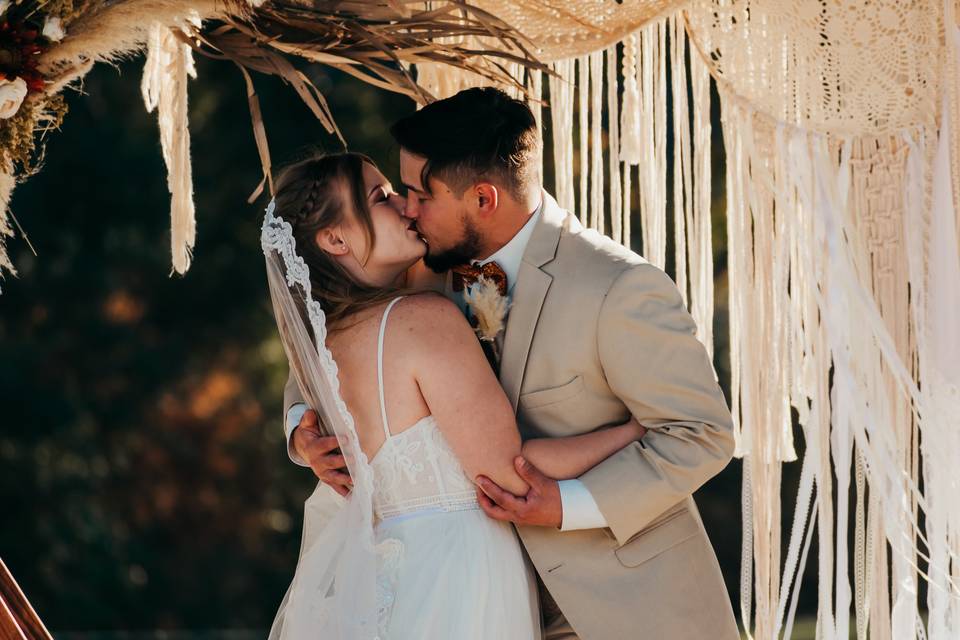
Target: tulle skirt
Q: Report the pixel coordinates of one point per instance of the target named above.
(456, 575)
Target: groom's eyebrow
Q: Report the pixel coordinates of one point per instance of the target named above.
(412, 188)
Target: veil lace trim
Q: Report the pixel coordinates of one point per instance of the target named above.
(339, 558)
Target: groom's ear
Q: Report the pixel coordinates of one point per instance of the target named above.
(331, 241)
(487, 198)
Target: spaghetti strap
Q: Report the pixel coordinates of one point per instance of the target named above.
(383, 327)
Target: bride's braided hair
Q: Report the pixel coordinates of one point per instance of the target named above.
(311, 201)
(315, 194)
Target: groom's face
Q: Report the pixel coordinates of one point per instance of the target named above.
(443, 218)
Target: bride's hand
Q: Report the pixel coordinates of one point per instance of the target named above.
(638, 429)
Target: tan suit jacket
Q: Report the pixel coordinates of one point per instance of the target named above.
(594, 335)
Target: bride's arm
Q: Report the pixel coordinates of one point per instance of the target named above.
(570, 457)
(460, 389)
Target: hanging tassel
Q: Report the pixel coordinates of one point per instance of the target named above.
(583, 90)
(659, 164)
(700, 229)
(561, 121)
(627, 206)
(596, 141)
(630, 144)
(653, 127)
(164, 88)
(535, 101)
(613, 139)
(682, 188)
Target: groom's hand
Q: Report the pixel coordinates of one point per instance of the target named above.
(540, 507)
(322, 453)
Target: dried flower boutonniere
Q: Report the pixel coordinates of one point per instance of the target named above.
(489, 309)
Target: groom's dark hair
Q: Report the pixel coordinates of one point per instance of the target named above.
(477, 134)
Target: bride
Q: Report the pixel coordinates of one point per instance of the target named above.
(399, 377)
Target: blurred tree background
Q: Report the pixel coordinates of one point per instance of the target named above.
(144, 482)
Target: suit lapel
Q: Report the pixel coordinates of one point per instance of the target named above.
(531, 290)
(528, 296)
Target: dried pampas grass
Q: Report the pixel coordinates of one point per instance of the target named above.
(488, 307)
(7, 182)
(374, 40)
(111, 31)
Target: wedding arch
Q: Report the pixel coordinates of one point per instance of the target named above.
(840, 130)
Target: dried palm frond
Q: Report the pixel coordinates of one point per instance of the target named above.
(373, 41)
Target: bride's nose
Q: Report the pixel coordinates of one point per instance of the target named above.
(399, 203)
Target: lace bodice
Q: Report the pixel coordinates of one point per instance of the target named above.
(415, 470)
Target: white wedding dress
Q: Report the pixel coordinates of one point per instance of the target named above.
(454, 573)
(408, 555)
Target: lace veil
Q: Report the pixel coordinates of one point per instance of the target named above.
(334, 590)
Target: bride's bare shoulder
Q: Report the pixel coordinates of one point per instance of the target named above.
(438, 344)
(430, 319)
(427, 308)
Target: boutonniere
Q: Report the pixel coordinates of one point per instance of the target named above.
(489, 309)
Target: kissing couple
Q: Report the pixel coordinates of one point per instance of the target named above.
(533, 483)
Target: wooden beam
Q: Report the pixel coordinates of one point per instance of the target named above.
(18, 620)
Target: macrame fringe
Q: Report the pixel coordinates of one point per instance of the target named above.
(700, 227)
(583, 91)
(840, 248)
(561, 122)
(825, 286)
(597, 186)
(613, 152)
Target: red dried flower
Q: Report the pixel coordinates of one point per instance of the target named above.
(20, 47)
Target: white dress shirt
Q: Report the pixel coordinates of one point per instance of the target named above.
(580, 510)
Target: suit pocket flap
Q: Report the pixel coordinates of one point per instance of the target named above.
(659, 538)
(544, 397)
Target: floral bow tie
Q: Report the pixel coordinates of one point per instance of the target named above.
(466, 275)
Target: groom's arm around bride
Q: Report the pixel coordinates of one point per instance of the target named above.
(649, 360)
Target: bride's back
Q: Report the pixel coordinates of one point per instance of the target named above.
(355, 350)
(432, 366)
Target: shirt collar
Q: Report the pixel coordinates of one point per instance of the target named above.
(510, 255)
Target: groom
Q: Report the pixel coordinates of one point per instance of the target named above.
(595, 334)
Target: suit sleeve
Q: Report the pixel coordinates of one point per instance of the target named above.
(662, 373)
(293, 409)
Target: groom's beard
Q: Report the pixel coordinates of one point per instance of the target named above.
(461, 253)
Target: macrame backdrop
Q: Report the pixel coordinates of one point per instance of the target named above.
(842, 154)
(841, 130)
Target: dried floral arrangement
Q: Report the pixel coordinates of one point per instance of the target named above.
(46, 45)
